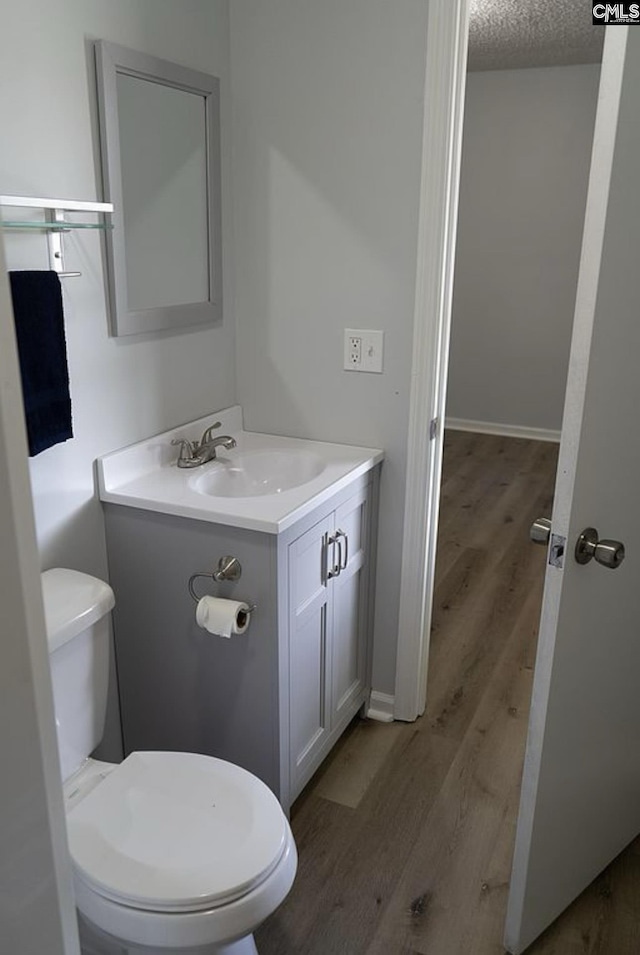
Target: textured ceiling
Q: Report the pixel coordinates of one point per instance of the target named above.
(510, 34)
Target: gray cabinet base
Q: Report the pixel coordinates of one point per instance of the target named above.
(184, 689)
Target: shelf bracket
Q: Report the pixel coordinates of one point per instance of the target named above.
(56, 248)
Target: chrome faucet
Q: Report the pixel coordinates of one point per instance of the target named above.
(195, 453)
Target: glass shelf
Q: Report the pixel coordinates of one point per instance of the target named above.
(56, 226)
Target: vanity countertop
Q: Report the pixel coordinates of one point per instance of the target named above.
(145, 475)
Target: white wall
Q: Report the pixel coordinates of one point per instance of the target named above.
(122, 389)
(327, 101)
(525, 163)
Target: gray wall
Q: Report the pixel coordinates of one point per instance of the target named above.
(525, 163)
(122, 389)
(327, 101)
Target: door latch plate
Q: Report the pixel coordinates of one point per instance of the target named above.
(556, 550)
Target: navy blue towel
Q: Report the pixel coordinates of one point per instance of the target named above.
(42, 350)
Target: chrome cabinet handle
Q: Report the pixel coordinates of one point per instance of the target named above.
(340, 533)
(334, 571)
(334, 540)
(325, 558)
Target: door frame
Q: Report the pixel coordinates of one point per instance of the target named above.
(26, 681)
(445, 80)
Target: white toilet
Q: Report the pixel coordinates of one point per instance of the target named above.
(172, 852)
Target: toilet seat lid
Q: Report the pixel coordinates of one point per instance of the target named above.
(176, 832)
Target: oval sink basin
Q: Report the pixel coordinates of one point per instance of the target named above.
(256, 473)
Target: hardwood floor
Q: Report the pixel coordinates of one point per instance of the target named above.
(405, 835)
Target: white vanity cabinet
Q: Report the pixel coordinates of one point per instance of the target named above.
(276, 698)
(328, 599)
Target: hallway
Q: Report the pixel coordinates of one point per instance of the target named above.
(406, 833)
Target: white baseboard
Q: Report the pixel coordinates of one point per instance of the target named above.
(506, 430)
(381, 707)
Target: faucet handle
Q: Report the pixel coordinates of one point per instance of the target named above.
(186, 449)
(207, 436)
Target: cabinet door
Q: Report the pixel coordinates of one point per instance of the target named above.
(348, 674)
(309, 649)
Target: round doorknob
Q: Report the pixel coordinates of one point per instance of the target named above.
(607, 552)
(540, 530)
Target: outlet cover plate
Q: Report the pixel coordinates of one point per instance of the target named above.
(363, 350)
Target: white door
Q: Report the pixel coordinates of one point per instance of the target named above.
(580, 803)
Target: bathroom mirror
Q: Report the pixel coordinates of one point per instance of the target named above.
(160, 147)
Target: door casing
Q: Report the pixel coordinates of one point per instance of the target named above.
(448, 30)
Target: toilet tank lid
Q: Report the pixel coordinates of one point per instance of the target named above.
(73, 601)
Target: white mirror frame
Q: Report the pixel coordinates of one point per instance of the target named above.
(112, 60)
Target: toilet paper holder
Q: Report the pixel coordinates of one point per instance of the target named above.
(229, 568)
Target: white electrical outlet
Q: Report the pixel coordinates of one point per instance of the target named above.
(363, 350)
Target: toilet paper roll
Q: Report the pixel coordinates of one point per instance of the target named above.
(222, 617)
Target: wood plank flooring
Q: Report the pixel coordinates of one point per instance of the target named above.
(405, 835)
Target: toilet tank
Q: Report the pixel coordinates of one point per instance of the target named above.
(77, 608)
